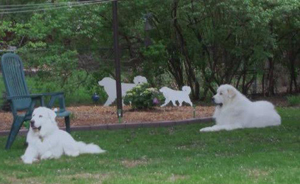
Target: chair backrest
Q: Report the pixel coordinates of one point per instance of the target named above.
(14, 79)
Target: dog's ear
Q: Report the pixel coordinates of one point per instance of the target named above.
(231, 92)
(51, 115)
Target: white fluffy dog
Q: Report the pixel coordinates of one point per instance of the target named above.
(235, 111)
(109, 85)
(173, 95)
(46, 141)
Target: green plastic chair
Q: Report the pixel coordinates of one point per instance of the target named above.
(21, 100)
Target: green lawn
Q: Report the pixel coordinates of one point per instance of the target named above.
(179, 154)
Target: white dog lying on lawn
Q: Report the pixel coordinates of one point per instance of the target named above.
(46, 141)
(235, 111)
(109, 85)
(173, 95)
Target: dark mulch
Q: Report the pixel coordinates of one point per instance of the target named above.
(97, 115)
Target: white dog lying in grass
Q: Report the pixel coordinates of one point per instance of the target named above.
(235, 111)
(109, 85)
(46, 141)
(173, 95)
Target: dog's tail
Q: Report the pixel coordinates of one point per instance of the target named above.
(89, 148)
(186, 89)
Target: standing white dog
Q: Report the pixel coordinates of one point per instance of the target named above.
(235, 111)
(46, 141)
(173, 95)
(109, 85)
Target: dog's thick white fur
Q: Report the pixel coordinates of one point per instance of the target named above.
(173, 95)
(46, 141)
(235, 111)
(109, 85)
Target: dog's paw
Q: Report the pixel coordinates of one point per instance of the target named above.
(207, 129)
(27, 160)
(47, 155)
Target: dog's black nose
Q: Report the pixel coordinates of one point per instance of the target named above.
(32, 123)
(213, 99)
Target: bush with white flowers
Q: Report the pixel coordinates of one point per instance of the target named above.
(143, 97)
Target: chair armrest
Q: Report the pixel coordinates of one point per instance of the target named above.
(34, 98)
(56, 96)
(53, 94)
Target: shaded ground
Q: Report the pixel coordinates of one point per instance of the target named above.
(96, 115)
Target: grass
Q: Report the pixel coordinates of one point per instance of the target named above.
(293, 100)
(179, 154)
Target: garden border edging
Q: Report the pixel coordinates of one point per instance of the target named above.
(128, 125)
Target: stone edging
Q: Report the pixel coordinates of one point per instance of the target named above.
(128, 125)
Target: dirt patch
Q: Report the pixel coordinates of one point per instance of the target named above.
(98, 177)
(256, 173)
(174, 178)
(133, 163)
(62, 178)
(97, 115)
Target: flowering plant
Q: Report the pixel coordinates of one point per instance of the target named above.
(143, 97)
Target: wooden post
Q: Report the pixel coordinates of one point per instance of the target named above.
(117, 59)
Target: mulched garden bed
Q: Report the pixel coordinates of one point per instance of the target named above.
(98, 115)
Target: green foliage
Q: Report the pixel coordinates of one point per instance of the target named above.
(199, 43)
(78, 88)
(294, 100)
(26, 124)
(155, 60)
(75, 94)
(143, 97)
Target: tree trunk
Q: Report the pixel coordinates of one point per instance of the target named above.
(293, 72)
(271, 81)
(190, 74)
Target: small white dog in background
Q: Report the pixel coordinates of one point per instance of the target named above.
(173, 95)
(235, 111)
(46, 141)
(109, 85)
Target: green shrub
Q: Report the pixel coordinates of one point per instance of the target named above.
(75, 94)
(143, 97)
(78, 88)
(293, 100)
